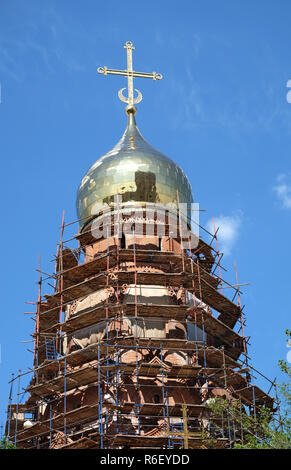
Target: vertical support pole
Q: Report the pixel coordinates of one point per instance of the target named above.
(135, 276)
(117, 385)
(232, 416)
(117, 245)
(38, 307)
(204, 344)
(194, 293)
(224, 367)
(225, 384)
(222, 423)
(241, 425)
(163, 390)
(17, 408)
(60, 284)
(50, 426)
(241, 315)
(107, 323)
(136, 332)
(192, 271)
(217, 249)
(117, 259)
(277, 401)
(254, 405)
(199, 280)
(168, 417)
(107, 374)
(65, 400)
(137, 390)
(10, 406)
(228, 425)
(107, 274)
(180, 230)
(100, 417)
(233, 428)
(98, 378)
(185, 426)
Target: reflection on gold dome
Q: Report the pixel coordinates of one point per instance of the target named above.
(135, 170)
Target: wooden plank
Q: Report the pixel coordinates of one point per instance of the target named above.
(233, 341)
(95, 314)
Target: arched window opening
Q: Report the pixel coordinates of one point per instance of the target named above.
(122, 241)
(156, 399)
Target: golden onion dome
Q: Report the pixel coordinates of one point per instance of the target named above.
(136, 171)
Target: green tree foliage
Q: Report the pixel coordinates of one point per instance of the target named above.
(6, 444)
(260, 429)
(285, 388)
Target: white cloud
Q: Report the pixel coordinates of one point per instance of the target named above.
(228, 231)
(49, 41)
(283, 189)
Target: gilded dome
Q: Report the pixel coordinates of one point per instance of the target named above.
(135, 170)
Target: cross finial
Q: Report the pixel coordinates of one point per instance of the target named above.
(130, 74)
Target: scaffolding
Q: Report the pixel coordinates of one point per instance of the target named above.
(118, 385)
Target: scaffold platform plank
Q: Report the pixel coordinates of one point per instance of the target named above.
(154, 409)
(95, 314)
(233, 341)
(230, 312)
(160, 442)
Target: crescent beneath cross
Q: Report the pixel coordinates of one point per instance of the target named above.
(127, 100)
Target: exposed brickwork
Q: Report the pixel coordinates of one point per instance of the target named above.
(136, 388)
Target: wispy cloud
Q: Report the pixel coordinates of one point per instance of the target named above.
(229, 101)
(178, 41)
(228, 232)
(46, 43)
(283, 189)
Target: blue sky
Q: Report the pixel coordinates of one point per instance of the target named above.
(220, 112)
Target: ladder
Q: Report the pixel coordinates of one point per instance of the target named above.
(50, 348)
(176, 436)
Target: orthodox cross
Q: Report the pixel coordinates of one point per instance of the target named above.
(130, 74)
(185, 434)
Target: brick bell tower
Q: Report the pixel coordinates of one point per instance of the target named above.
(137, 335)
